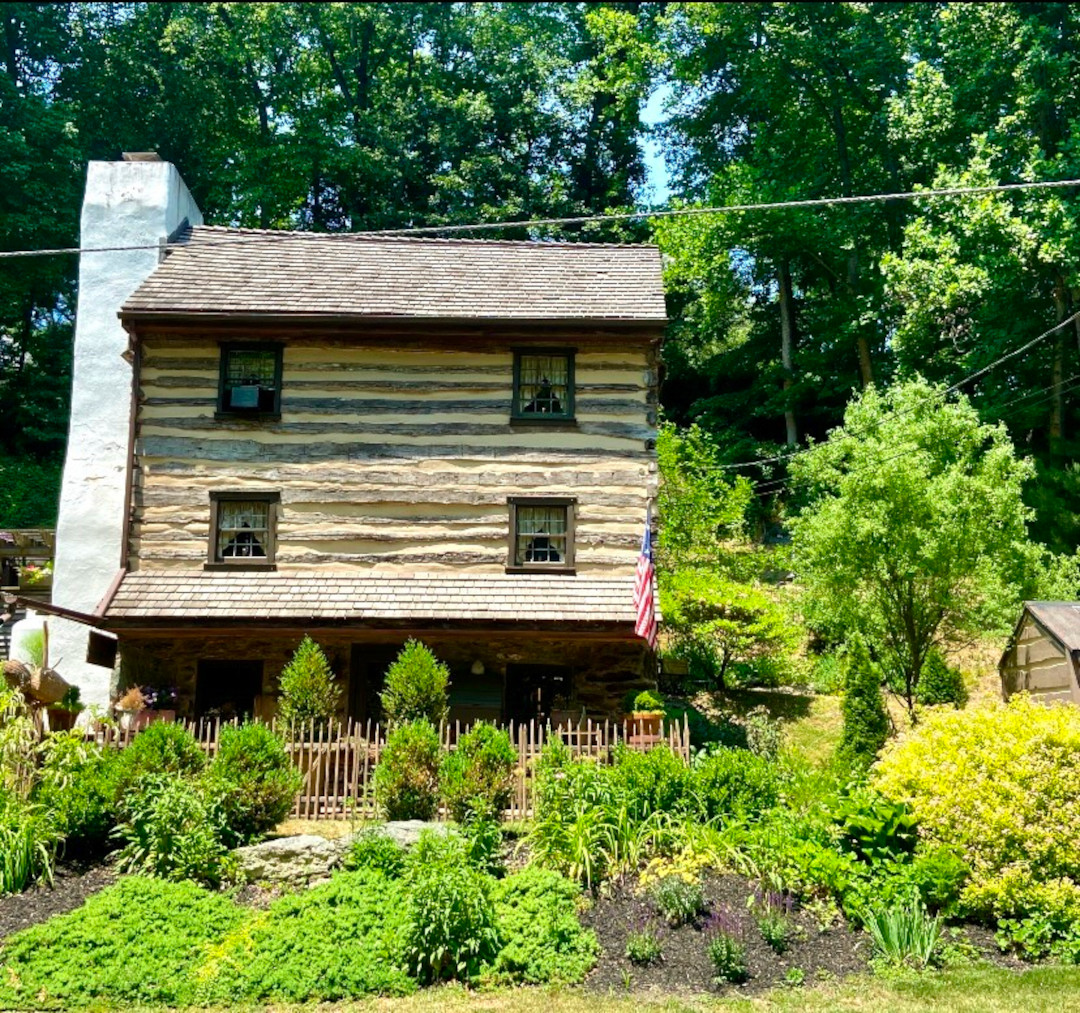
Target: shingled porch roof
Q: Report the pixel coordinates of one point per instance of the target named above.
(260, 273)
(369, 598)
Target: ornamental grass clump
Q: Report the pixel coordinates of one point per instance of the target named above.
(997, 786)
(904, 934)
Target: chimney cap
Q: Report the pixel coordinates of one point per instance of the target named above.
(141, 156)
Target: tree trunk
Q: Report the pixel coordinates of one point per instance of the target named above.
(787, 339)
(1057, 370)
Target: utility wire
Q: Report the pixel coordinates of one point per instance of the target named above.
(424, 230)
(788, 455)
(1065, 386)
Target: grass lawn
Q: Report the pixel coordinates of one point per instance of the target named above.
(986, 990)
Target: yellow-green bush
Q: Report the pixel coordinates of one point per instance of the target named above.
(1001, 785)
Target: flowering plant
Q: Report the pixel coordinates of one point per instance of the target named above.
(159, 698)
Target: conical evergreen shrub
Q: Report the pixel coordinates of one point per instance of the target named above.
(309, 691)
(416, 686)
(866, 720)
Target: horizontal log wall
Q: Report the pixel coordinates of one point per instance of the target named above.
(393, 456)
(1038, 665)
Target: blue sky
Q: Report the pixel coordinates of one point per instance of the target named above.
(657, 169)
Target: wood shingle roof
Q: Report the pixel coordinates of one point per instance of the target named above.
(252, 272)
(369, 597)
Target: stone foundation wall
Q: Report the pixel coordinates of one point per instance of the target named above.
(602, 671)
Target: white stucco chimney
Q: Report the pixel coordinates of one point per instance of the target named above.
(138, 202)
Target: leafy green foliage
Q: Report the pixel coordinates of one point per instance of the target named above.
(649, 702)
(77, 786)
(483, 835)
(726, 946)
(162, 748)
(940, 684)
(678, 900)
(335, 941)
(477, 777)
(866, 719)
(904, 934)
(452, 920)
(171, 829)
(874, 829)
(416, 686)
(997, 786)
(644, 946)
(28, 844)
(373, 849)
(734, 782)
(407, 775)
(111, 949)
(253, 779)
(309, 691)
(543, 941)
(916, 548)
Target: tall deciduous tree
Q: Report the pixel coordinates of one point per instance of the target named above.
(913, 531)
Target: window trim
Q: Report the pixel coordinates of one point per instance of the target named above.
(563, 418)
(243, 562)
(568, 563)
(223, 410)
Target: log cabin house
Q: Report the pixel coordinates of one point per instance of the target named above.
(369, 438)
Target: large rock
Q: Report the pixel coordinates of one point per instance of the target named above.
(291, 861)
(407, 832)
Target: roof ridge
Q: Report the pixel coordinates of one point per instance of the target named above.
(194, 230)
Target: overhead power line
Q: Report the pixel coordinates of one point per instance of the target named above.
(788, 455)
(615, 216)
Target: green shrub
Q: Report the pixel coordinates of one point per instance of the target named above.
(253, 780)
(678, 900)
(477, 777)
(340, 940)
(875, 829)
(28, 843)
(77, 786)
(170, 829)
(904, 934)
(655, 781)
(135, 942)
(764, 734)
(543, 941)
(648, 702)
(163, 748)
(309, 691)
(998, 786)
(372, 849)
(939, 875)
(734, 782)
(866, 720)
(416, 686)
(483, 835)
(940, 684)
(452, 923)
(407, 775)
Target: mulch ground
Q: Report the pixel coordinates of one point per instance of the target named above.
(72, 884)
(685, 964)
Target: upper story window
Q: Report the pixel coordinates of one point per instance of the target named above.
(543, 384)
(250, 380)
(242, 528)
(541, 534)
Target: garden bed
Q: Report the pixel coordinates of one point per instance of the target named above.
(685, 965)
(72, 884)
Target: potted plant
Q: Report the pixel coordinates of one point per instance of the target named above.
(647, 714)
(130, 705)
(62, 715)
(159, 704)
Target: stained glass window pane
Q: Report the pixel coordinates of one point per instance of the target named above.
(541, 535)
(543, 385)
(243, 529)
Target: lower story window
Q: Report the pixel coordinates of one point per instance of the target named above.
(243, 527)
(542, 534)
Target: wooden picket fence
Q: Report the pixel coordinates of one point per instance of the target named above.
(338, 762)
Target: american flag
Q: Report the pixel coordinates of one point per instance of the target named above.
(644, 600)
